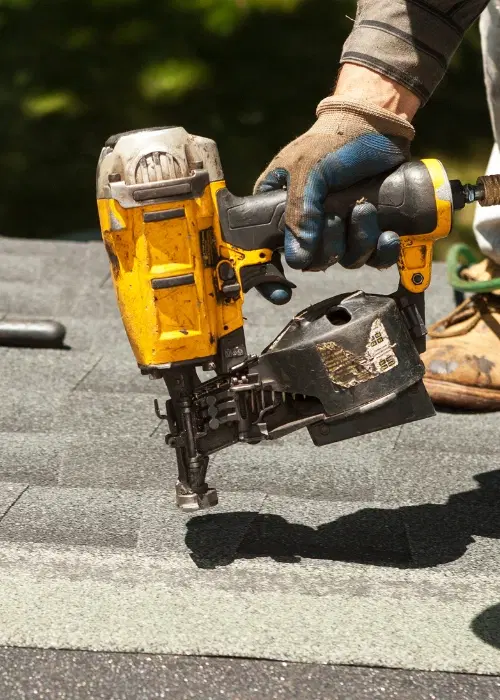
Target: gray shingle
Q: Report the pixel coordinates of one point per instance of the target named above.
(93, 302)
(370, 551)
(48, 300)
(37, 247)
(89, 413)
(459, 433)
(293, 466)
(84, 517)
(20, 267)
(117, 373)
(37, 370)
(42, 261)
(9, 493)
(291, 529)
(34, 458)
(29, 411)
(63, 283)
(205, 536)
(59, 674)
(95, 336)
(116, 461)
(442, 533)
(440, 474)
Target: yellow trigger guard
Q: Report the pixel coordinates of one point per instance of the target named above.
(415, 259)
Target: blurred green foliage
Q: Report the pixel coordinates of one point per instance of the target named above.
(247, 73)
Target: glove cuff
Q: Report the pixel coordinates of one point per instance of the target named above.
(382, 120)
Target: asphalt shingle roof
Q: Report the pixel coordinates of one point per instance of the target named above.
(80, 675)
(379, 551)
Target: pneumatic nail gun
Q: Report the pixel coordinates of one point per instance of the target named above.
(184, 251)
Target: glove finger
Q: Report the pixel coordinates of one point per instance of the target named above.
(387, 252)
(305, 217)
(363, 233)
(297, 250)
(332, 245)
(276, 179)
(275, 293)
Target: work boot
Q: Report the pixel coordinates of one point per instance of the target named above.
(462, 360)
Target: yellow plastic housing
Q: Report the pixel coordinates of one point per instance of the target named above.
(415, 260)
(176, 324)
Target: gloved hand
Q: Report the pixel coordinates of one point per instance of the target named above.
(350, 141)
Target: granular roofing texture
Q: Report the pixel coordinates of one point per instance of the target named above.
(379, 551)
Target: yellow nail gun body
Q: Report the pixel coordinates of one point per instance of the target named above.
(178, 282)
(184, 251)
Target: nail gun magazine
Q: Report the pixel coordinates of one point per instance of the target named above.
(183, 253)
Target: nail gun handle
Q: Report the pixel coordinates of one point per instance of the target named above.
(256, 222)
(415, 201)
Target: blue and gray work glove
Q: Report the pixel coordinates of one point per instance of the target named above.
(350, 141)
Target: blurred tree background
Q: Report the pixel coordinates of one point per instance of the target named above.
(247, 73)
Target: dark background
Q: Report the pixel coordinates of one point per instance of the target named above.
(247, 73)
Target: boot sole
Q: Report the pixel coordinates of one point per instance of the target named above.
(461, 396)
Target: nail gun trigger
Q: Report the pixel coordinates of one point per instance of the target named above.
(254, 275)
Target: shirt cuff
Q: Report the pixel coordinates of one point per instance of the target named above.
(409, 41)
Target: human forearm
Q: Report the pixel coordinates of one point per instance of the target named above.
(409, 41)
(360, 83)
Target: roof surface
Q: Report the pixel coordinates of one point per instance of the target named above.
(379, 551)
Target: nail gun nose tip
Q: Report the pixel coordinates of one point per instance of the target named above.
(193, 502)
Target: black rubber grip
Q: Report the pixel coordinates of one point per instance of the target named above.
(32, 334)
(405, 201)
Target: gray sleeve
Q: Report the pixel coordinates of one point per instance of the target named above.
(410, 41)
